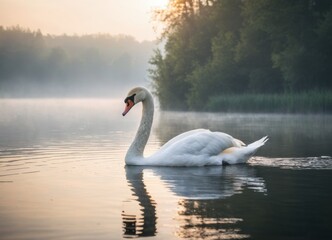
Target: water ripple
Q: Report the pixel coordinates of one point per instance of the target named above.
(323, 162)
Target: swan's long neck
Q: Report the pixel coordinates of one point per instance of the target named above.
(136, 149)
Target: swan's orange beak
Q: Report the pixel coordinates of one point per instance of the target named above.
(129, 105)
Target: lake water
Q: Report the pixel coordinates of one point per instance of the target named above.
(62, 176)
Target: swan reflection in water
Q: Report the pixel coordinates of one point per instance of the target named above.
(200, 193)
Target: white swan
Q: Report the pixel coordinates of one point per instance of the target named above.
(199, 147)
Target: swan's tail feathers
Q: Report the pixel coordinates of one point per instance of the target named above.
(253, 147)
(235, 155)
(258, 143)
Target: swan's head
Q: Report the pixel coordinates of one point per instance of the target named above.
(134, 96)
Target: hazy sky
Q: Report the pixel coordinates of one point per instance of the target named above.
(129, 17)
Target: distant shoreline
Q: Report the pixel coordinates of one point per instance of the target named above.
(314, 101)
(302, 102)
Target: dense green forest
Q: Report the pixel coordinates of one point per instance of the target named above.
(220, 48)
(37, 65)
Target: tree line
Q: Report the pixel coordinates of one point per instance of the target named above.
(227, 47)
(33, 64)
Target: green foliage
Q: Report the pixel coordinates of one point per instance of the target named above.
(304, 102)
(33, 64)
(236, 47)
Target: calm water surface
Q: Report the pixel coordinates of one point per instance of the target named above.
(62, 176)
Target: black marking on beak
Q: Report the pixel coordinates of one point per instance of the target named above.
(131, 98)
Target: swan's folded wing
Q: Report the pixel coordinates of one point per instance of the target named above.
(181, 136)
(195, 143)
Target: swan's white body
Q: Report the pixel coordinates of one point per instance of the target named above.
(199, 147)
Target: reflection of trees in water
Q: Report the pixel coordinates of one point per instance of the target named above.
(290, 135)
(202, 220)
(205, 211)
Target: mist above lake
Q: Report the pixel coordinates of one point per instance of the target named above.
(293, 135)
